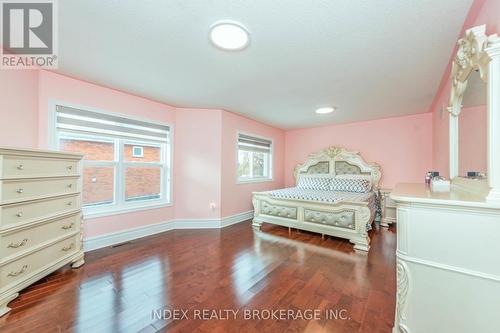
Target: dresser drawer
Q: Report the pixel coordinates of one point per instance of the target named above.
(20, 269)
(12, 191)
(24, 239)
(34, 167)
(16, 214)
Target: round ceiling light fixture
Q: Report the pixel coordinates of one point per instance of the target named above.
(325, 110)
(230, 36)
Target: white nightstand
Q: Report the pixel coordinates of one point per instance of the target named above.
(388, 208)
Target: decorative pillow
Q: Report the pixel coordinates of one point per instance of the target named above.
(315, 182)
(350, 185)
(366, 177)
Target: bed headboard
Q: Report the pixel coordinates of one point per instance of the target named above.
(339, 161)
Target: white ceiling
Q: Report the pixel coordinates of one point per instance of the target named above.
(372, 59)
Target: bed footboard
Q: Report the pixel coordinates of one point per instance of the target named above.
(346, 220)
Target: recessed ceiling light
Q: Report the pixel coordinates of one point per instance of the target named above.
(229, 36)
(325, 110)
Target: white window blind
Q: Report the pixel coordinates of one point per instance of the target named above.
(250, 143)
(92, 122)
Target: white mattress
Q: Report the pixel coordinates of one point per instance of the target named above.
(322, 196)
(295, 193)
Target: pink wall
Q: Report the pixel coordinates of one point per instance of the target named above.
(482, 12)
(472, 140)
(440, 146)
(197, 161)
(205, 163)
(18, 108)
(402, 146)
(237, 198)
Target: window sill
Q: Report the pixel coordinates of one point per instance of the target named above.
(254, 180)
(123, 210)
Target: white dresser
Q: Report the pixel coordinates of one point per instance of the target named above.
(40, 217)
(448, 261)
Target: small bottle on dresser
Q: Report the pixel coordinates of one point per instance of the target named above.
(428, 177)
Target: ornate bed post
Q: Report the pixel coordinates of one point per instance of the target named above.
(362, 240)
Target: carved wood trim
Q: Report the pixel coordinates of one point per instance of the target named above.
(333, 154)
(403, 285)
(470, 56)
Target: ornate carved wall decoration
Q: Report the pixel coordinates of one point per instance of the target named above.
(470, 56)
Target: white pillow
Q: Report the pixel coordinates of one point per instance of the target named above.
(315, 182)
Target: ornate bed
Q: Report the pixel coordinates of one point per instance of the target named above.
(341, 214)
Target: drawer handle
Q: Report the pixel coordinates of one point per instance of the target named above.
(19, 244)
(70, 167)
(20, 191)
(67, 248)
(20, 214)
(69, 203)
(20, 167)
(68, 226)
(70, 185)
(19, 272)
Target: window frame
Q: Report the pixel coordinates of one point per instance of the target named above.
(138, 155)
(161, 164)
(91, 163)
(120, 205)
(249, 180)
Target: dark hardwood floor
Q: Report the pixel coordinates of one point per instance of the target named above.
(227, 269)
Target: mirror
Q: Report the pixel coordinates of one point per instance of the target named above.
(474, 123)
(472, 127)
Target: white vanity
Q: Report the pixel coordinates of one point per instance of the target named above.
(448, 243)
(448, 261)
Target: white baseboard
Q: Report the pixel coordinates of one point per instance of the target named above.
(97, 242)
(233, 219)
(197, 223)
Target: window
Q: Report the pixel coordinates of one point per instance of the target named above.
(254, 158)
(126, 161)
(137, 151)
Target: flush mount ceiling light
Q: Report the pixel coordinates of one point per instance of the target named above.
(325, 110)
(230, 36)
